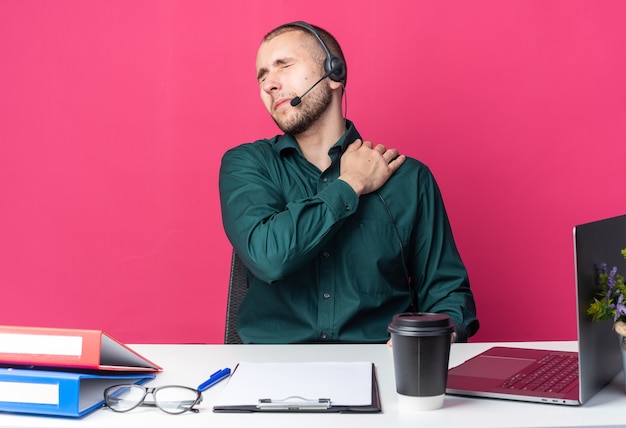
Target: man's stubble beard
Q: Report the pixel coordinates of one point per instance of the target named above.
(310, 111)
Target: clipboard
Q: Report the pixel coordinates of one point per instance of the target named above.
(330, 387)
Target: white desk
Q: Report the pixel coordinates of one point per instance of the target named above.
(192, 364)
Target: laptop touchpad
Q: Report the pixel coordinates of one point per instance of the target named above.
(492, 367)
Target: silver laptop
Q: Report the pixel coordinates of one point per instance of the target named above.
(515, 373)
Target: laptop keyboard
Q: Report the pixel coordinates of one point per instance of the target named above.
(553, 373)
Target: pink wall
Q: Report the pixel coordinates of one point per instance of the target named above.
(114, 116)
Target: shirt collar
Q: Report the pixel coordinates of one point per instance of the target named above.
(287, 141)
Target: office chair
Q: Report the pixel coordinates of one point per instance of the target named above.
(237, 288)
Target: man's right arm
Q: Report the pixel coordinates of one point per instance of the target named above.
(272, 235)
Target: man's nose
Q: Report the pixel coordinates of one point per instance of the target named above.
(271, 84)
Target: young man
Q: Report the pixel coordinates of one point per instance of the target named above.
(338, 234)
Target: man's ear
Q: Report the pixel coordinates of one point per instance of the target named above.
(335, 85)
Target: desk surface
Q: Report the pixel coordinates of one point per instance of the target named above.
(191, 364)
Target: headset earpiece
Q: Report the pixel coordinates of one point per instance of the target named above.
(339, 73)
(333, 65)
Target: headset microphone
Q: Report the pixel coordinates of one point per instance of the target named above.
(297, 100)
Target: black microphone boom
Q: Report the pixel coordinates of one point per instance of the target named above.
(297, 100)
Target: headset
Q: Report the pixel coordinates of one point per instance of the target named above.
(334, 67)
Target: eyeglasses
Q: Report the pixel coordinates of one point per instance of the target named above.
(173, 399)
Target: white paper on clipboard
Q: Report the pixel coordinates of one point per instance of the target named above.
(344, 383)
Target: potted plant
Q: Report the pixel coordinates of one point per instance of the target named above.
(610, 304)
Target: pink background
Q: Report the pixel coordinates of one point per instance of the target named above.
(114, 116)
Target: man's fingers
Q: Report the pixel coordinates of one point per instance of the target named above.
(397, 161)
(355, 145)
(390, 155)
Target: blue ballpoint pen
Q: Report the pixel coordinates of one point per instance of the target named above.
(215, 378)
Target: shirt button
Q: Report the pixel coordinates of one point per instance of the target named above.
(323, 335)
(347, 207)
(324, 180)
(326, 254)
(326, 295)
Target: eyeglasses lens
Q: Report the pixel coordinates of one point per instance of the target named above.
(176, 399)
(124, 397)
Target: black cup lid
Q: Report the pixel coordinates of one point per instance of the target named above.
(415, 322)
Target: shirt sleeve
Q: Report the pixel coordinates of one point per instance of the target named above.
(439, 276)
(273, 236)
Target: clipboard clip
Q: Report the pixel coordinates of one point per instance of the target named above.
(294, 403)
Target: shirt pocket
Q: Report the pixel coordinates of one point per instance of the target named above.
(375, 256)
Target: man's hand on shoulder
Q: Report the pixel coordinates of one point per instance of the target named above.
(366, 168)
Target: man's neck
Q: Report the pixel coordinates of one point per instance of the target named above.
(319, 138)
